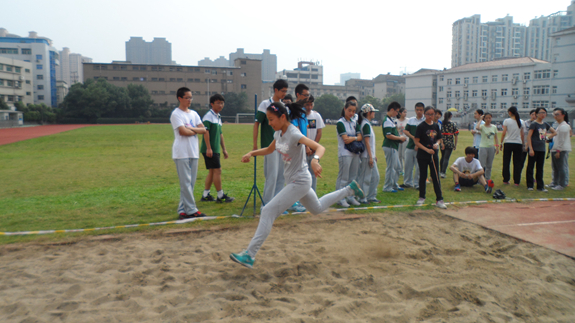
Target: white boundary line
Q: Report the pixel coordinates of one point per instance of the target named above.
(23, 233)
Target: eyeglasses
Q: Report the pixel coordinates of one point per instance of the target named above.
(190, 98)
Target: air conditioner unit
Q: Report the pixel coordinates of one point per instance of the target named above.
(464, 84)
(514, 81)
(524, 81)
(465, 98)
(527, 97)
(493, 96)
(484, 97)
(515, 96)
(458, 97)
(448, 99)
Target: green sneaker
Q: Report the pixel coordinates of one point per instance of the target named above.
(358, 192)
(243, 258)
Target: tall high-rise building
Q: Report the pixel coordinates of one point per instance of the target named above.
(44, 58)
(158, 51)
(348, 76)
(70, 69)
(474, 42)
(269, 62)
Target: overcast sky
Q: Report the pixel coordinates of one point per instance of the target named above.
(367, 37)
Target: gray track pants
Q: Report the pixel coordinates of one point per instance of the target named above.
(299, 190)
(486, 156)
(391, 174)
(411, 178)
(369, 177)
(348, 170)
(187, 173)
(274, 174)
(401, 154)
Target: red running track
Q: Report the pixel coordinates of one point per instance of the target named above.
(11, 135)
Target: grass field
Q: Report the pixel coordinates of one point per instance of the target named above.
(115, 175)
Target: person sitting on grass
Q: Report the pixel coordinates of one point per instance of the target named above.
(467, 171)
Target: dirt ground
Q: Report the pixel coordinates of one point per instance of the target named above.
(388, 267)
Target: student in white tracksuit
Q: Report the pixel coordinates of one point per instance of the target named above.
(368, 178)
(347, 132)
(290, 143)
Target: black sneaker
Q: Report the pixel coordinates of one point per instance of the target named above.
(225, 198)
(208, 198)
(198, 214)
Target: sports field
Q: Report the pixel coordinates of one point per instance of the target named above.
(393, 265)
(116, 175)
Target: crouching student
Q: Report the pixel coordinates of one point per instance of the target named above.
(467, 171)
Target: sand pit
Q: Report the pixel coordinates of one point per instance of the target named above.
(395, 267)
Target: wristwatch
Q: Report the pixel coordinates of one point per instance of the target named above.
(316, 157)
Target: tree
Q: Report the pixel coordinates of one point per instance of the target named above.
(20, 106)
(398, 97)
(3, 105)
(95, 99)
(235, 103)
(329, 106)
(375, 102)
(140, 100)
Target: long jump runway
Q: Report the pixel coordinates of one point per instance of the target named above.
(550, 224)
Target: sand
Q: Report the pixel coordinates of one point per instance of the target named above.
(391, 267)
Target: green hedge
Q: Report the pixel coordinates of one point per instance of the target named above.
(112, 120)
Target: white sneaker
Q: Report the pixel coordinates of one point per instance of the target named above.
(442, 175)
(343, 203)
(557, 188)
(550, 185)
(353, 201)
(441, 205)
(420, 202)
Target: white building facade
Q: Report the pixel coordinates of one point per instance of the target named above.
(70, 69)
(16, 81)
(44, 58)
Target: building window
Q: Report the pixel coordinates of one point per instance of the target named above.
(555, 73)
(39, 66)
(116, 78)
(466, 80)
(39, 77)
(476, 79)
(17, 69)
(27, 81)
(244, 86)
(441, 78)
(448, 94)
(214, 72)
(554, 90)
(441, 89)
(124, 78)
(27, 70)
(493, 106)
(180, 79)
(484, 93)
(8, 50)
(457, 106)
(483, 106)
(38, 56)
(457, 94)
(458, 80)
(154, 68)
(541, 89)
(448, 81)
(515, 91)
(440, 100)
(515, 76)
(123, 68)
(542, 74)
(26, 51)
(154, 79)
(207, 71)
(527, 76)
(494, 92)
(28, 93)
(526, 105)
(179, 69)
(525, 91)
(484, 79)
(243, 62)
(161, 79)
(504, 77)
(448, 106)
(503, 106)
(172, 79)
(243, 74)
(40, 87)
(493, 78)
(474, 93)
(466, 94)
(40, 97)
(503, 92)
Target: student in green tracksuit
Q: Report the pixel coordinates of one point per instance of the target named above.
(212, 146)
(391, 142)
